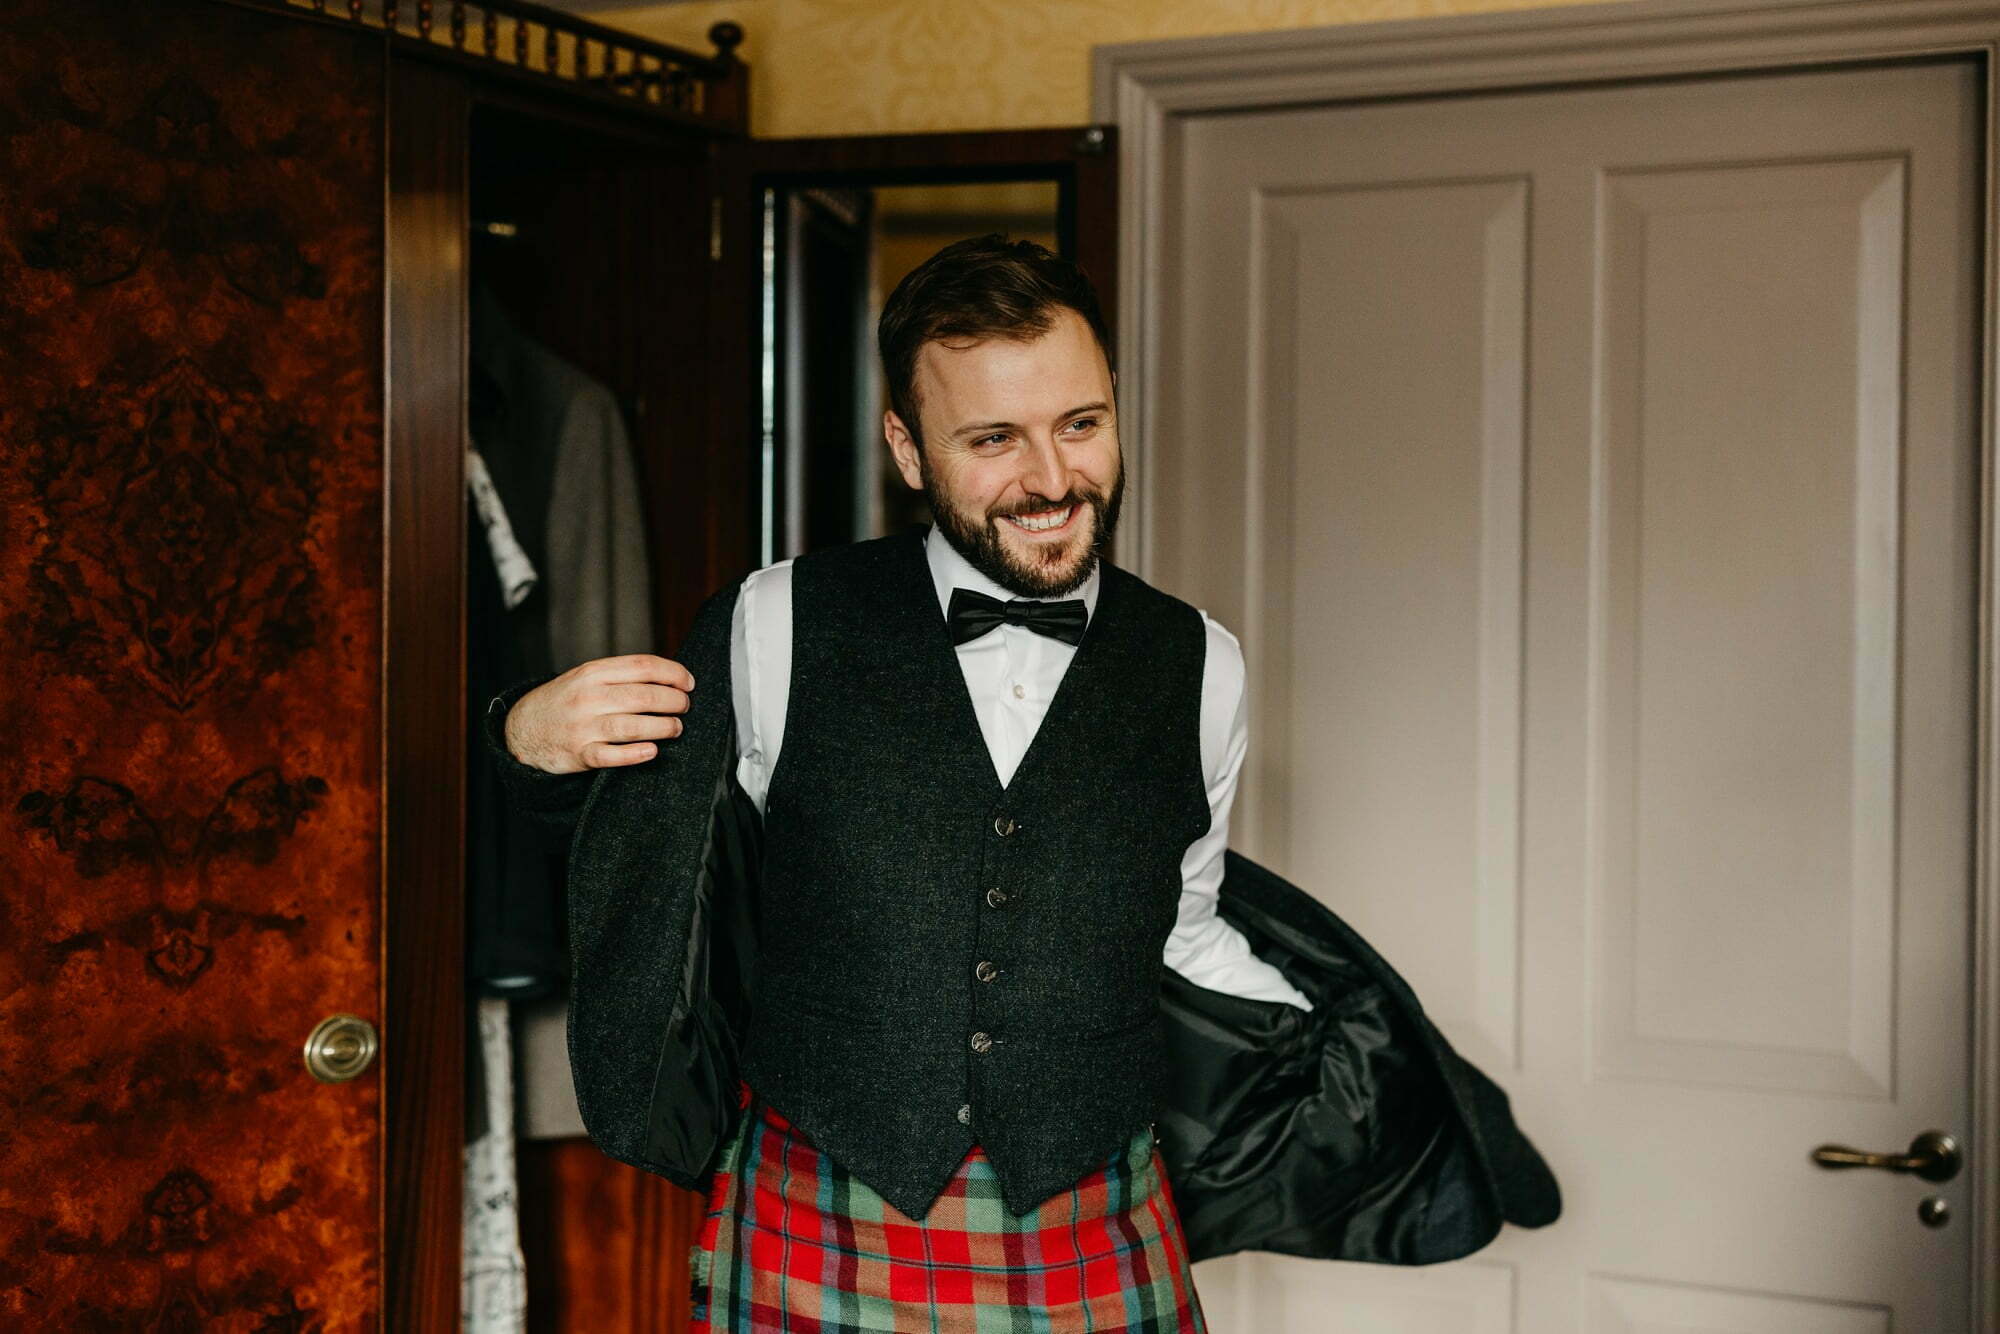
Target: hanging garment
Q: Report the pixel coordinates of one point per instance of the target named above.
(554, 455)
(553, 440)
(493, 1276)
(516, 572)
(492, 1273)
(515, 940)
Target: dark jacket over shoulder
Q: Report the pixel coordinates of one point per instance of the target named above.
(1351, 1132)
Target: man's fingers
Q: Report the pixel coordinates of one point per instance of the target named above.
(645, 697)
(640, 667)
(618, 727)
(604, 755)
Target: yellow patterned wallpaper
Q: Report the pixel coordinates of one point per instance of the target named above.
(902, 66)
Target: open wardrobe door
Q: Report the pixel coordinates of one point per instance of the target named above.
(191, 399)
(274, 273)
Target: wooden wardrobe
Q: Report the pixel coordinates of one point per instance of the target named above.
(235, 248)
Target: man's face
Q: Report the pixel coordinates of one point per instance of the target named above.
(1020, 459)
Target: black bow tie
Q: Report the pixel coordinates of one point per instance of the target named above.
(973, 614)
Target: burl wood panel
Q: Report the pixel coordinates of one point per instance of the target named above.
(190, 663)
(606, 1245)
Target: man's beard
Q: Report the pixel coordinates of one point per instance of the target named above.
(978, 538)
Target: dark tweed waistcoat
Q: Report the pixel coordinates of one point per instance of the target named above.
(944, 960)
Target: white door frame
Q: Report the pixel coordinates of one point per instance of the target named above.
(1146, 87)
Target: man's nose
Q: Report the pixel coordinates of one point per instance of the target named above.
(1043, 471)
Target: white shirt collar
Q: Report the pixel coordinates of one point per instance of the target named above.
(951, 570)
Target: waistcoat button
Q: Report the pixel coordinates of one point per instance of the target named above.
(986, 970)
(981, 1042)
(1004, 825)
(965, 1115)
(995, 897)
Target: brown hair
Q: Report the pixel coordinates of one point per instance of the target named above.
(981, 287)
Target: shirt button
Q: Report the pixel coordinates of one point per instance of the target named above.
(986, 971)
(1004, 825)
(965, 1115)
(982, 1043)
(1018, 692)
(995, 897)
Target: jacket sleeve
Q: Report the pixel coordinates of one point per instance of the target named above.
(649, 1043)
(554, 800)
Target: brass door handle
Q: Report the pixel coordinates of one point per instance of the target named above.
(1933, 1155)
(340, 1047)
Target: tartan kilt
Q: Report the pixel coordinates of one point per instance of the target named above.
(790, 1241)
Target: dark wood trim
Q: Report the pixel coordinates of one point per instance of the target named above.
(554, 50)
(914, 159)
(609, 1249)
(642, 130)
(734, 305)
(423, 866)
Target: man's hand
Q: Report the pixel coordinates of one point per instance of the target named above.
(600, 713)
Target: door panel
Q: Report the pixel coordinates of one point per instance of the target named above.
(1603, 548)
(1750, 603)
(190, 396)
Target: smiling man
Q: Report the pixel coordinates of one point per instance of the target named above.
(994, 773)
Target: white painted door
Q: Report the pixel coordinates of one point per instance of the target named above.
(1591, 475)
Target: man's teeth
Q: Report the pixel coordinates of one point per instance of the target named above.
(1036, 523)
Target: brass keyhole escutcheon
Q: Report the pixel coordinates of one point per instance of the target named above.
(341, 1047)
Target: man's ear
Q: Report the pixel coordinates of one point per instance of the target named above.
(903, 448)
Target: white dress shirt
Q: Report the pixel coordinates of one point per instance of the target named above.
(1012, 673)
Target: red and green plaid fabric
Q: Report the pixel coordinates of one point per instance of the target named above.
(791, 1242)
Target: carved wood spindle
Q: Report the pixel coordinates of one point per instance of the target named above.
(727, 37)
(549, 51)
(490, 29)
(424, 18)
(389, 14)
(458, 24)
(521, 42)
(354, 10)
